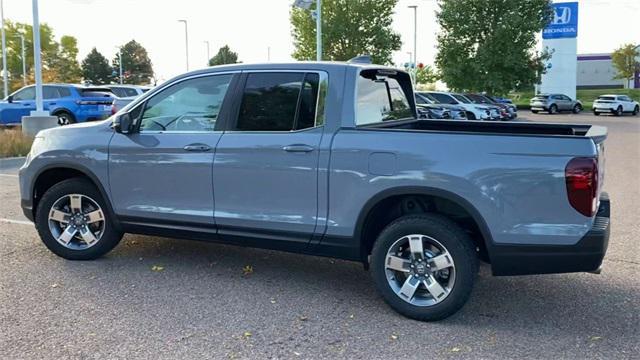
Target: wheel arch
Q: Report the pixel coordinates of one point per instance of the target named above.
(53, 174)
(362, 232)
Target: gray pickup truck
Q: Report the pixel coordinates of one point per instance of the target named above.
(326, 159)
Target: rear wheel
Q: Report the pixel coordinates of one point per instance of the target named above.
(534, 111)
(553, 109)
(471, 116)
(636, 110)
(424, 266)
(577, 109)
(618, 111)
(73, 223)
(596, 113)
(65, 118)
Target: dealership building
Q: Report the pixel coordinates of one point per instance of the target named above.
(596, 71)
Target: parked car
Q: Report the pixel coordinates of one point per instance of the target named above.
(615, 104)
(125, 91)
(554, 103)
(428, 111)
(473, 111)
(511, 108)
(326, 159)
(494, 110)
(503, 109)
(70, 103)
(456, 112)
(119, 103)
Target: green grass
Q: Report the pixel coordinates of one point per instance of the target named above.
(521, 99)
(14, 143)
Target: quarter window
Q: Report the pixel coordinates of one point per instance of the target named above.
(380, 98)
(190, 105)
(279, 102)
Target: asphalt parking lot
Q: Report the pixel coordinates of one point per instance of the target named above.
(162, 298)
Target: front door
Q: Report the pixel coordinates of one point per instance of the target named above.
(266, 164)
(161, 173)
(23, 103)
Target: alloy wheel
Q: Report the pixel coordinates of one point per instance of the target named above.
(76, 221)
(420, 270)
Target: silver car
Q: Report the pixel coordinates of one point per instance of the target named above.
(554, 103)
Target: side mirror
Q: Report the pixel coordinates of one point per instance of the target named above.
(10, 99)
(122, 123)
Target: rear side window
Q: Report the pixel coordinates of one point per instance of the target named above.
(443, 98)
(380, 98)
(63, 91)
(124, 91)
(50, 92)
(95, 94)
(279, 101)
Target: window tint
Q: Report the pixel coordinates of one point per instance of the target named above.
(190, 105)
(63, 91)
(443, 98)
(380, 98)
(270, 102)
(50, 92)
(25, 94)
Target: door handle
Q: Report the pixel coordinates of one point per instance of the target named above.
(298, 148)
(52, 103)
(197, 147)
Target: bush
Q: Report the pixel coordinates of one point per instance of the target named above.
(14, 143)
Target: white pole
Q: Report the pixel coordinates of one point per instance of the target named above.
(5, 76)
(24, 61)
(208, 53)
(319, 30)
(120, 63)
(36, 59)
(415, 34)
(186, 41)
(268, 53)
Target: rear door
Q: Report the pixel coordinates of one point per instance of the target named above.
(266, 164)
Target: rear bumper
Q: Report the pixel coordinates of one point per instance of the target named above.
(584, 256)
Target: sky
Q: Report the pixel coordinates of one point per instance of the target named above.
(259, 30)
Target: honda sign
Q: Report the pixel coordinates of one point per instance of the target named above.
(564, 23)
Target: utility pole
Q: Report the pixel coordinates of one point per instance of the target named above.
(415, 33)
(186, 41)
(120, 63)
(37, 60)
(5, 76)
(208, 54)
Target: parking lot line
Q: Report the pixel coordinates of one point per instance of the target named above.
(11, 221)
(10, 175)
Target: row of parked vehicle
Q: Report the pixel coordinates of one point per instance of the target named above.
(604, 104)
(69, 102)
(446, 105)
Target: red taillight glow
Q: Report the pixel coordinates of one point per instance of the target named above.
(581, 175)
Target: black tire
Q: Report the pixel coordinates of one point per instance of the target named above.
(619, 111)
(577, 109)
(596, 113)
(636, 110)
(453, 238)
(65, 118)
(534, 111)
(553, 109)
(110, 236)
(471, 116)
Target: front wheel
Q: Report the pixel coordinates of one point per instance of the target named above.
(424, 266)
(577, 109)
(596, 113)
(636, 110)
(553, 109)
(65, 118)
(73, 222)
(618, 111)
(471, 116)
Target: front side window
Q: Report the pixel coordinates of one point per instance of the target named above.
(444, 98)
(25, 94)
(380, 98)
(190, 105)
(276, 101)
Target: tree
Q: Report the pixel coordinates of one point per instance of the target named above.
(65, 65)
(136, 65)
(625, 60)
(349, 28)
(488, 45)
(95, 68)
(425, 75)
(224, 56)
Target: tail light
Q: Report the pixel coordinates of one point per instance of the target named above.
(113, 110)
(581, 176)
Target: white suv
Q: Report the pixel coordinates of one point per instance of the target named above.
(615, 104)
(474, 112)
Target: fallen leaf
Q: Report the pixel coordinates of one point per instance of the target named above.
(273, 301)
(246, 335)
(394, 337)
(595, 338)
(296, 353)
(247, 270)
(157, 268)
(455, 349)
(54, 285)
(303, 318)
(351, 316)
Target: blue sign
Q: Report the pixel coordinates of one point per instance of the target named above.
(565, 22)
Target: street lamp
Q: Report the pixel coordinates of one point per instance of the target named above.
(5, 76)
(186, 41)
(120, 63)
(306, 4)
(208, 54)
(37, 62)
(415, 33)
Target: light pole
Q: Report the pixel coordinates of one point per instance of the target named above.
(415, 33)
(120, 63)
(186, 41)
(24, 61)
(208, 54)
(37, 61)
(5, 76)
(306, 4)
